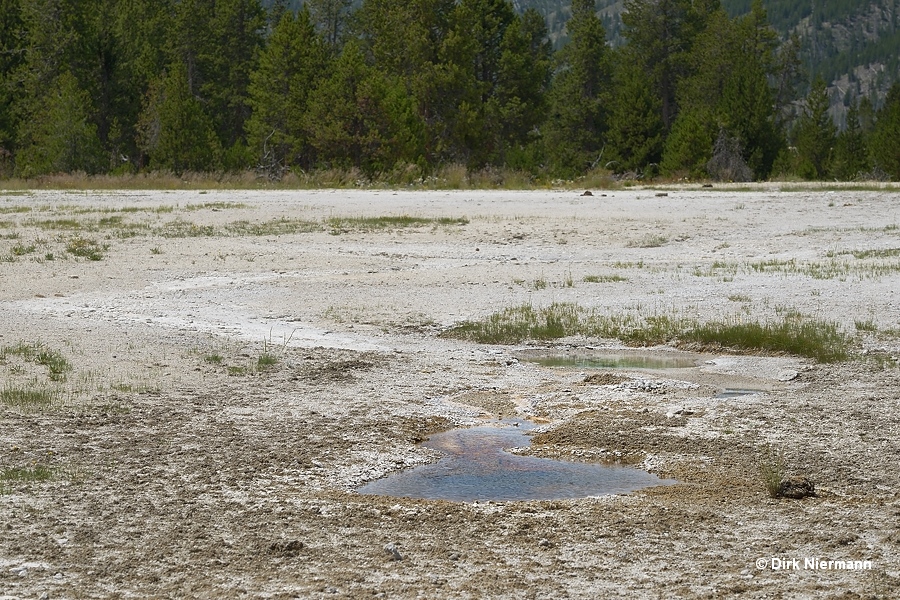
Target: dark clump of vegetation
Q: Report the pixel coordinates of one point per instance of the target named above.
(820, 340)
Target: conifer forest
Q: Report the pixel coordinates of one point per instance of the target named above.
(394, 89)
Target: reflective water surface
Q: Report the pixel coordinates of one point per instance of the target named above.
(476, 467)
(614, 360)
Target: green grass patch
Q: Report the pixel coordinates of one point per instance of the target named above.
(35, 474)
(346, 224)
(822, 341)
(22, 249)
(867, 325)
(274, 227)
(864, 254)
(266, 360)
(27, 397)
(61, 224)
(649, 241)
(216, 206)
(772, 469)
(86, 248)
(57, 365)
(180, 228)
(604, 278)
(213, 359)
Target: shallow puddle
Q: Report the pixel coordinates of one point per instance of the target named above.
(614, 360)
(477, 467)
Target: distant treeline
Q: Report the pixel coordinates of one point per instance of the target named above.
(407, 86)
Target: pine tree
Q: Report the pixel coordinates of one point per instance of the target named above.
(518, 104)
(577, 121)
(815, 134)
(289, 69)
(636, 133)
(408, 39)
(884, 146)
(218, 41)
(330, 17)
(360, 117)
(11, 33)
(728, 93)
(61, 137)
(661, 34)
(851, 153)
(174, 130)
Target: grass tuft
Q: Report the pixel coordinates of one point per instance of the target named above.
(86, 248)
(604, 278)
(31, 397)
(266, 360)
(56, 363)
(772, 468)
(213, 359)
(868, 325)
(37, 473)
(345, 224)
(820, 340)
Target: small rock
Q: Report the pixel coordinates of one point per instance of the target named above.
(661, 194)
(454, 556)
(392, 550)
(587, 193)
(545, 543)
(787, 375)
(796, 488)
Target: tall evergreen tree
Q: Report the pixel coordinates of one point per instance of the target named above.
(11, 51)
(661, 34)
(174, 130)
(577, 120)
(360, 117)
(219, 41)
(330, 17)
(518, 104)
(57, 76)
(815, 134)
(289, 69)
(884, 146)
(851, 152)
(636, 133)
(61, 136)
(409, 39)
(728, 93)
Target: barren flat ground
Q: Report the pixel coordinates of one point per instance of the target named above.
(194, 385)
